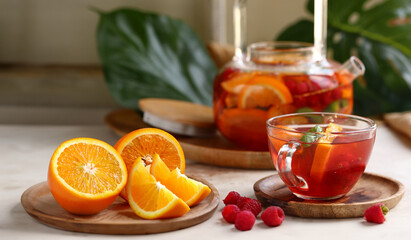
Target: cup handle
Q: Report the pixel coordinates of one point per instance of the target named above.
(283, 165)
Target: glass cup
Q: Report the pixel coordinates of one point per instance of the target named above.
(320, 156)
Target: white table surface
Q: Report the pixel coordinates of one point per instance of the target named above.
(26, 151)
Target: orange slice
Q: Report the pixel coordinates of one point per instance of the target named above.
(245, 127)
(235, 84)
(189, 190)
(323, 151)
(86, 175)
(281, 134)
(150, 199)
(264, 91)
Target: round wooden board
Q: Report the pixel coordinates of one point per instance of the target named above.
(181, 117)
(369, 190)
(118, 218)
(214, 150)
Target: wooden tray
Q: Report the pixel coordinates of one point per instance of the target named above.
(370, 189)
(118, 218)
(214, 150)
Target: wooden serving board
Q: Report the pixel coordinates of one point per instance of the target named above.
(118, 218)
(214, 150)
(369, 190)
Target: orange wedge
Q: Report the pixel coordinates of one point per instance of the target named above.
(145, 143)
(159, 169)
(264, 91)
(189, 190)
(323, 151)
(150, 199)
(86, 175)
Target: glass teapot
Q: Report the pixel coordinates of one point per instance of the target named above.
(267, 79)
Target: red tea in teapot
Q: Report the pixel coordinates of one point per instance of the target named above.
(244, 100)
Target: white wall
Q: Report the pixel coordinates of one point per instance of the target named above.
(63, 31)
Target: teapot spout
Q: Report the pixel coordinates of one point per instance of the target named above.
(351, 69)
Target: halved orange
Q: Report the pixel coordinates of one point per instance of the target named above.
(189, 190)
(264, 91)
(148, 198)
(145, 143)
(86, 175)
(323, 151)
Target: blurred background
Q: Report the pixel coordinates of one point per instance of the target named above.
(49, 59)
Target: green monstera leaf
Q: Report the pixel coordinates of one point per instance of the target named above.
(151, 55)
(379, 33)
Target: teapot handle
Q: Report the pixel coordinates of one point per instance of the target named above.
(240, 28)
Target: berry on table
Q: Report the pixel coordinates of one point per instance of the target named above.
(231, 198)
(230, 213)
(376, 213)
(245, 220)
(252, 205)
(273, 216)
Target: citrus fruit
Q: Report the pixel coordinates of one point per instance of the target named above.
(148, 198)
(159, 169)
(145, 143)
(264, 91)
(237, 82)
(189, 190)
(86, 175)
(281, 134)
(323, 151)
(244, 127)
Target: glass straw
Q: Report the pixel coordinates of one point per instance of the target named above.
(320, 29)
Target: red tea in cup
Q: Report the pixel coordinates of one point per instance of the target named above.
(320, 156)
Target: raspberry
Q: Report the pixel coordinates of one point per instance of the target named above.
(252, 205)
(231, 198)
(242, 201)
(376, 213)
(230, 213)
(302, 88)
(245, 220)
(273, 216)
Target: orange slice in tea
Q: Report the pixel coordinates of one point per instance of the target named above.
(264, 91)
(323, 151)
(145, 143)
(189, 190)
(278, 135)
(235, 84)
(86, 175)
(245, 127)
(148, 198)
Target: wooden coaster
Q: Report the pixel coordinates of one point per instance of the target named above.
(180, 117)
(118, 218)
(214, 150)
(369, 190)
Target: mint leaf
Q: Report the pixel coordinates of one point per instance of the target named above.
(316, 129)
(312, 135)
